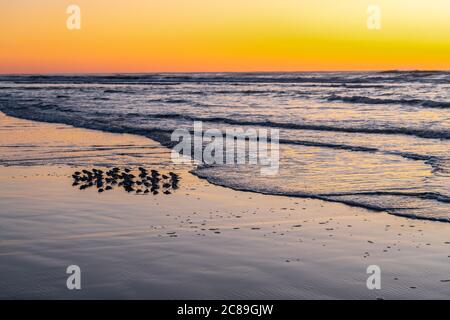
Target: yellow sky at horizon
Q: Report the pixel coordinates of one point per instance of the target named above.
(213, 35)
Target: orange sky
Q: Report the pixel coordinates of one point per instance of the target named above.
(225, 35)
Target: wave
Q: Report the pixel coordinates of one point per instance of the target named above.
(162, 135)
(262, 77)
(335, 197)
(421, 195)
(410, 102)
(170, 100)
(428, 134)
(422, 73)
(433, 161)
(117, 91)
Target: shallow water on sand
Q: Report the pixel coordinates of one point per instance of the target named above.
(201, 241)
(378, 140)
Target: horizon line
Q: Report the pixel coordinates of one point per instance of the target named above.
(210, 72)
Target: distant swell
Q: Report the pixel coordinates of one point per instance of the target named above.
(409, 102)
(232, 78)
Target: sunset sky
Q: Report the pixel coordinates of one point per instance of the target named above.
(222, 35)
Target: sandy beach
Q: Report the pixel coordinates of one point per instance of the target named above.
(224, 159)
(200, 242)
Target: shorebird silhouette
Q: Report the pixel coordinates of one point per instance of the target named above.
(138, 181)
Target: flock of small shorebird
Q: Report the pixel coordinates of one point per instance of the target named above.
(144, 182)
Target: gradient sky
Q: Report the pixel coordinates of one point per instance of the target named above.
(222, 35)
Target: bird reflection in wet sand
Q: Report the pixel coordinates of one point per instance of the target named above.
(139, 181)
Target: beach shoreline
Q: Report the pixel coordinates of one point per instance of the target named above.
(200, 242)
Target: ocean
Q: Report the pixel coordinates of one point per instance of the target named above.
(378, 140)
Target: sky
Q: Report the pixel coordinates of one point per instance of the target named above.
(223, 35)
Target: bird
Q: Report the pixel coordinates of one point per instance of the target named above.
(155, 173)
(173, 175)
(155, 180)
(149, 183)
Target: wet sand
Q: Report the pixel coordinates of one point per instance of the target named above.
(199, 242)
